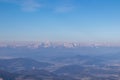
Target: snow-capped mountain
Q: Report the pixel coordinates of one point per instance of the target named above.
(47, 44)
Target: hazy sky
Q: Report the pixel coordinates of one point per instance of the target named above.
(60, 20)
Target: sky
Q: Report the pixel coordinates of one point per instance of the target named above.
(60, 20)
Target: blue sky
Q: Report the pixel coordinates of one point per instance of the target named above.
(60, 20)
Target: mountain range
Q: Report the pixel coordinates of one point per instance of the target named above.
(18, 64)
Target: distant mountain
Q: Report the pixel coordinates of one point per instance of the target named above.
(70, 69)
(32, 75)
(37, 75)
(34, 44)
(41, 53)
(6, 75)
(38, 49)
(18, 64)
(82, 72)
(39, 44)
(81, 60)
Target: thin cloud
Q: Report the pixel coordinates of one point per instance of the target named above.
(26, 5)
(30, 5)
(62, 9)
(59, 6)
(65, 6)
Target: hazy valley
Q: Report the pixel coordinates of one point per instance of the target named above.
(60, 62)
